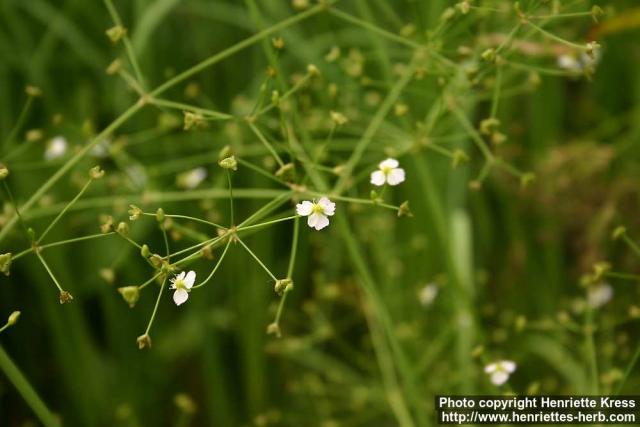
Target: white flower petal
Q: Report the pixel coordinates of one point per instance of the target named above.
(396, 176)
(305, 208)
(57, 147)
(321, 222)
(499, 377)
(180, 296)
(491, 367)
(388, 163)
(508, 366)
(328, 207)
(181, 276)
(190, 279)
(378, 178)
(312, 220)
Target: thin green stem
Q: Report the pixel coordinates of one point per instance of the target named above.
(63, 211)
(257, 259)
(215, 268)
(155, 308)
(230, 198)
(46, 266)
(556, 38)
(190, 218)
(264, 224)
(148, 282)
(633, 245)
(265, 142)
(294, 247)
(26, 391)
(62, 242)
(627, 371)
(19, 123)
(210, 114)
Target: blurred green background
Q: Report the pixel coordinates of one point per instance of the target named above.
(359, 343)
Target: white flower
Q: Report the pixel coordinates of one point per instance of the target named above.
(600, 294)
(500, 371)
(56, 148)
(428, 294)
(182, 283)
(317, 213)
(191, 179)
(388, 172)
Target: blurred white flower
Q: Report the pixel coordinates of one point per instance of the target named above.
(500, 371)
(600, 294)
(581, 63)
(101, 149)
(388, 172)
(428, 294)
(56, 148)
(182, 283)
(192, 178)
(316, 213)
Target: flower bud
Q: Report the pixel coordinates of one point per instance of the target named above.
(488, 126)
(596, 12)
(275, 98)
(33, 91)
(404, 210)
(283, 285)
(338, 118)
(459, 157)
(229, 163)
(4, 172)
(274, 329)
(591, 49)
(192, 120)
(600, 269)
(160, 215)
(464, 7)
(107, 225)
(145, 251)
(13, 318)
(144, 341)
(277, 43)
(96, 173)
(116, 33)
(313, 70)
(619, 232)
(114, 67)
(65, 297)
(448, 14)
(489, 55)
(34, 135)
(5, 263)
(123, 228)
(185, 403)
(156, 260)
(131, 294)
(134, 212)
(527, 178)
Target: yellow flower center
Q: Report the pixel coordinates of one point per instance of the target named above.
(317, 209)
(179, 284)
(386, 170)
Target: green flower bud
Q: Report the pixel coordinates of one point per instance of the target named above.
(274, 329)
(225, 152)
(160, 215)
(123, 228)
(96, 173)
(283, 285)
(144, 341)
(145, 251)
(404, 210)
(13, 318)
(459, 157)
(489, 55)
(114, 67)
(33, 91)
(131, 294)
(116, 33)
(619, 232)
(338, 118)
(600, 269)
(284, 169)
(192, 120)
(5, 263)
(107, 225)
(596, 12)
(229, 163)
(185, 403)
